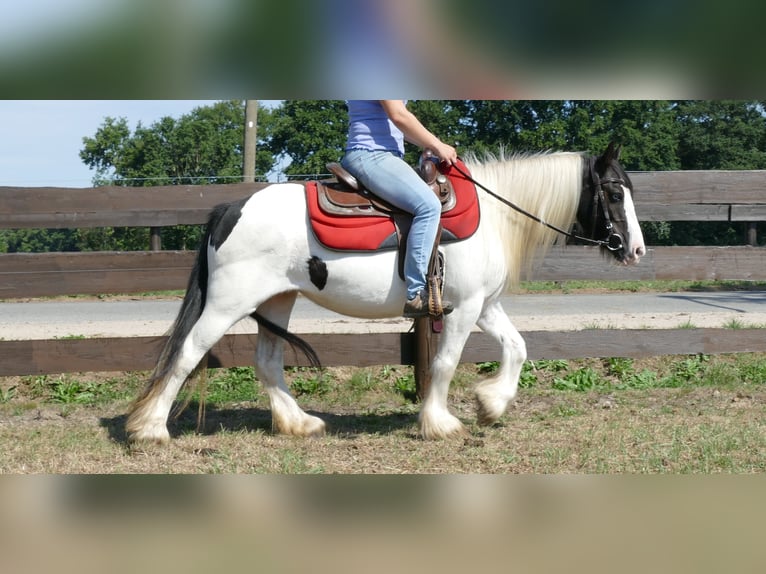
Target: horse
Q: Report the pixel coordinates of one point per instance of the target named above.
(258, 254)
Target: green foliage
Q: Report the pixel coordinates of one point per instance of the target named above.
(311, 382)
(552, 365)
(405, 386)
(619, 374)
(690, 368)
(752, 371)
(235, 384)
(487, 367)
(309, 132)
(527, 378)
(619, 366)
(69, 390)
(585, 379)
(734, 324)
(204, 146)
(7, 394)
(644, 379)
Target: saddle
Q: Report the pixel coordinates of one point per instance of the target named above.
(346, 196)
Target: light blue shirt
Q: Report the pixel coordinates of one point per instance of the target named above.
(370, 128)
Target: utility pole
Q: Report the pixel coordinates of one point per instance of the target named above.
(251, 128)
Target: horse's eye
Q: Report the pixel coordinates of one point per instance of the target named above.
(615, 196)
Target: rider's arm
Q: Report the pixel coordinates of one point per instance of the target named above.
(415, 132)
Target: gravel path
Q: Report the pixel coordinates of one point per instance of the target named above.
(144, 317)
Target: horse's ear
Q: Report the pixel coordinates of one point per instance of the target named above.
(612, 152)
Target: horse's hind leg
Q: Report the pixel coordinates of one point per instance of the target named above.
(147, 421)
(494, 393)
(287, 417)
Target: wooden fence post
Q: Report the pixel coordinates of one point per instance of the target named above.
(155, 239)
(751, 234)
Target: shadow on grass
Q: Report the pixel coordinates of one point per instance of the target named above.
(257, 419)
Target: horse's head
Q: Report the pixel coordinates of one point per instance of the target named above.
(606, 211)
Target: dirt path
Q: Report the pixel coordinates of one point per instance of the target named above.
(119, 317)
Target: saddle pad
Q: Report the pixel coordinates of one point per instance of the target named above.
(366, 233)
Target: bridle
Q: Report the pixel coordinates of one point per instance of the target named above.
(613, 241)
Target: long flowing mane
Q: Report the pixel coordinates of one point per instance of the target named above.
(546, 184)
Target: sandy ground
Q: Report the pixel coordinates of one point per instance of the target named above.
(339, 324)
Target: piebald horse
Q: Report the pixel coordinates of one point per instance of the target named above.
(258, 254)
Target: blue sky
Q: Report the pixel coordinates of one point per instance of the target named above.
(40, 140)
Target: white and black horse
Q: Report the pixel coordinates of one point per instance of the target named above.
(260, 253)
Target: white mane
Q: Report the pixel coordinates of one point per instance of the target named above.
(546, 184)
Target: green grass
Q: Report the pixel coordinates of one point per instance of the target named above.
(232, 385)
(734, 324)
(619, 373)
(72, 389)
(670, 415)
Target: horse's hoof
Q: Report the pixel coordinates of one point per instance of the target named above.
(444, 428)
(488, 412)
(314, 427)
(308, 426)
(143, 437)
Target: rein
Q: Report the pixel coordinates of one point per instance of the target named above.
(613, 242)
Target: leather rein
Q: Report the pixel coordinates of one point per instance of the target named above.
(613, 241)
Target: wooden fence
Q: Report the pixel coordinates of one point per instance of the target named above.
(737, 196)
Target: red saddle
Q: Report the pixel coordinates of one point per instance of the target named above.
(345, 220)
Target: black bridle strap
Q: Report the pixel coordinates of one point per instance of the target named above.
(599, 198)
(597, 184)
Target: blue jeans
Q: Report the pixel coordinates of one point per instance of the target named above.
(389, 177)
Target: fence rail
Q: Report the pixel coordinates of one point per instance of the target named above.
(736, 196)
(46, 356)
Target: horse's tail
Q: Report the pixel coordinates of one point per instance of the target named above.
(191, 309)
(293, 340)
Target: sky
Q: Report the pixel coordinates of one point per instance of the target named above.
(40, 140)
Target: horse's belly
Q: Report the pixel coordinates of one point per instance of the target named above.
(360, 285)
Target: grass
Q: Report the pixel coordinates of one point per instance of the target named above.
(734, 324)
(680, 414)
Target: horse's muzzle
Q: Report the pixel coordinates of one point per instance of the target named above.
(614, 242)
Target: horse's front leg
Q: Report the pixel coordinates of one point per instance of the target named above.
(436, 422)
(494, 393)
(286, 416)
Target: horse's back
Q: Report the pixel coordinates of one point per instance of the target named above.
(268, 222)
(280, 206)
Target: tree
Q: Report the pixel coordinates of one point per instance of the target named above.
(310, 133)
(204, 146)
(722, 134)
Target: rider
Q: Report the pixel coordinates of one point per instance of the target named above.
(374, 155)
